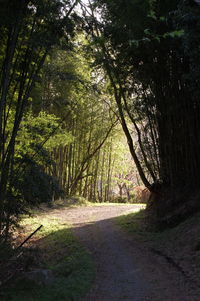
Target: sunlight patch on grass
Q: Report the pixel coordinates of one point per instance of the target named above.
(132, 222)
(141, 206)
(135, 223)
(71, 264)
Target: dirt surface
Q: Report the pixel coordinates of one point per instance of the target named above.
(126, 269)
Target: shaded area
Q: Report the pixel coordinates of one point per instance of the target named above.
(126, 269)
(178, 245)
(119, 277)
(60, 253)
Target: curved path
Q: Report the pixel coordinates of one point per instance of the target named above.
(126, 269)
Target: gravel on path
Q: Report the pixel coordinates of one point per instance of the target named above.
(126, 269)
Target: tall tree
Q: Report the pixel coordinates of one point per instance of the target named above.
(29, 29)
(145, 48)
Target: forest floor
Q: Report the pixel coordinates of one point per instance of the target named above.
(132, 265)
(127, 268)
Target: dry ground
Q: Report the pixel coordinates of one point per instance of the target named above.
(126, 269)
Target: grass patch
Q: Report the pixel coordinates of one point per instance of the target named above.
(80, 201)
(133, 222)
(75, 202)
(60, 252)
(141, 205)
(72, 202)
(136, 223)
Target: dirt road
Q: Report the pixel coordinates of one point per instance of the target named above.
(126, 269)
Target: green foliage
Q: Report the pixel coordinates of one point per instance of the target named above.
(35, 186)
(70, 262)
(28, 33)
(71, 90)
(133, 222)
(41, 132)
(151, 53)
(30, 177)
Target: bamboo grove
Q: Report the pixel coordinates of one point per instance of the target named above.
(89, 163)
(74, 76)
(149, 51)
(55, 123)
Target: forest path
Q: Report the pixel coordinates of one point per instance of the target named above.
(126, 269)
